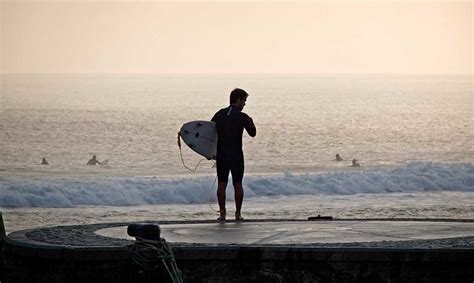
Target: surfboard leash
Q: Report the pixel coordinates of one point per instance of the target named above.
(209, 196)
(182, 159)
(195, 169)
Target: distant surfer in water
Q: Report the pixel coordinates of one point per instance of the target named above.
(354, 163)
(338, 157)
(93, 161)
(44, 162)
(230, 124)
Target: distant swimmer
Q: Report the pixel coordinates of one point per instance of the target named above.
(93, 161)
(354, 163)
(338, 157)
(44, 162)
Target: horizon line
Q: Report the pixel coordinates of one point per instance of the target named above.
(236, 73)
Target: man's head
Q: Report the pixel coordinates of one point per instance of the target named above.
(238, 97)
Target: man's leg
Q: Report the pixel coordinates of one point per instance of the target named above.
(237, 177)
(221, 186)
(239, 197)
(222, 177)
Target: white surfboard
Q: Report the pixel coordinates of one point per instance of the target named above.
(200, 136)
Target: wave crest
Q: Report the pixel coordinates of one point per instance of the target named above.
(120, 191)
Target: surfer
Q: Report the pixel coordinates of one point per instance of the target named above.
(338, 157)
(354, 163)
(230, 124)
(44, 162)
(93, 161)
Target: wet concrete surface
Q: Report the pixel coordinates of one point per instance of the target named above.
(303, 232)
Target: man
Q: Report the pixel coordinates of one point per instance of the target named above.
(93, 161)
(230, 124)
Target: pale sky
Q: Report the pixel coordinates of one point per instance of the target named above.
(401, 37)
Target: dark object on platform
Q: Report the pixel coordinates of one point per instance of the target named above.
(144, 230)
(319, 217)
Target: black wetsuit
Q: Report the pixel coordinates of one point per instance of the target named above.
(230, 124)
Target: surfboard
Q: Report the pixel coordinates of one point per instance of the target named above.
(200, 136)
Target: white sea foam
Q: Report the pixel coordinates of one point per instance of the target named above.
(120, 191)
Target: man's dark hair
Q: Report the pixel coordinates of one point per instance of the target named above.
(237, 94)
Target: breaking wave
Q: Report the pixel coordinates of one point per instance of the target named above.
(121, 191)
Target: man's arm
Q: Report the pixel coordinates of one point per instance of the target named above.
(249, 125)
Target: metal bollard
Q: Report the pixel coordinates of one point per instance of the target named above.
(144, 230)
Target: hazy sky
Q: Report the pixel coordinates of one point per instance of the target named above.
(236, 37)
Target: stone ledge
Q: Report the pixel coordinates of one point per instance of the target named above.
(94, 258)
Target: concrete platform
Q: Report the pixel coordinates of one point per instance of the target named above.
(343, 250)
(303, 232)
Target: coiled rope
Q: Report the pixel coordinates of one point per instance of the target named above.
(149, 254)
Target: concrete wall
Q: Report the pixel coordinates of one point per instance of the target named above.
(3, 237)
(43, 263)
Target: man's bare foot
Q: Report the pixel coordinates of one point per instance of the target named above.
(238, 217)
(222, 215)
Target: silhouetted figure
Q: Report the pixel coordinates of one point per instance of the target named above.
(338, 157)
(93, 161)
(44, 162)
(230, 124)
(354, 163)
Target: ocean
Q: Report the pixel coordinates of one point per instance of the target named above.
(411, 134)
